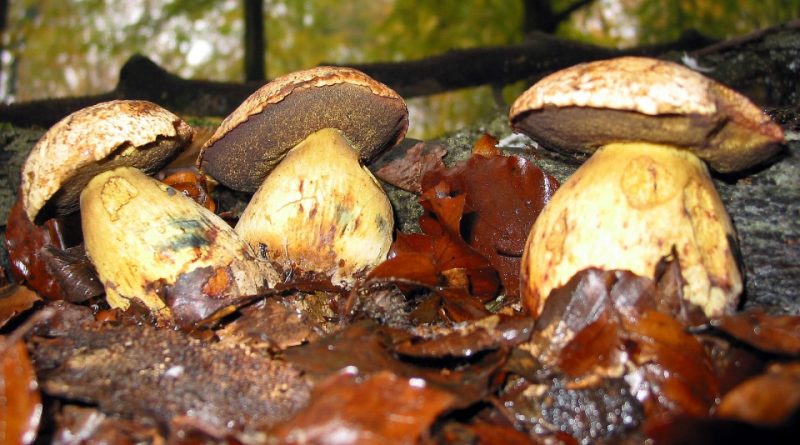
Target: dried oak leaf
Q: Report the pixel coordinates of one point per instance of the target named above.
(20, 402)
(466, 339)
(678, 373)
(276, 323)
(607, 324)
(380, 408)
(405, 165)
(438, 258)
(777, 334)
(503, 197)
(768, 399)
(365, 346)
(14, 300)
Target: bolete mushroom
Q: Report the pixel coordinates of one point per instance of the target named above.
(645, 189)
(145, 240)
(89, 141)
(300, 141)
(152, 243)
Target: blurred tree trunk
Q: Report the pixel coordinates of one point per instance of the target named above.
(254, 40)
(3, 20)
(540, 15)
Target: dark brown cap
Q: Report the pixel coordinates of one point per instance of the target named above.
(629, 99)
(254, 138)
(95, 139)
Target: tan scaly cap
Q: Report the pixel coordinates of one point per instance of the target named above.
(631, 99)
(93, 140)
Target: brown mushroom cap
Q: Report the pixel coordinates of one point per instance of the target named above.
(95, 139)
(631, 99)
(255, 137)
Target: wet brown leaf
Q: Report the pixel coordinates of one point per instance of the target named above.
(404, 165)
(14, 300)
(276, 323)
(20, 402)
(468, 339)
(366, 347)
(595, 346)
(777, 334)
(680, 375)
(380, 408)
(488, 434)
(768, 399)
(73, 272)
(503, 198)
(606, 323)
(438, 258)
(685, 430)
(24, 242)
(458, 306)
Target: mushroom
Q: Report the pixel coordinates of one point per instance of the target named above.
(645, 188)
(89, 141)
(152, 243)
(59, 166)
(300, 141)
(145, 240)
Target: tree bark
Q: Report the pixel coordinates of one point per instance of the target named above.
(541, 17)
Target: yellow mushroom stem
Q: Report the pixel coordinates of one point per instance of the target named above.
(625, 208)
(320, 211)
(150, 242)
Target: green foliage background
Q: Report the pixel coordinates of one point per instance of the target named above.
(56, 48)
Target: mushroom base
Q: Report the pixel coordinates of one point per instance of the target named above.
(150, 242)
(320, 211)
(626, 208)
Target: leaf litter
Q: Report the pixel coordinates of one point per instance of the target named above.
(431, 347)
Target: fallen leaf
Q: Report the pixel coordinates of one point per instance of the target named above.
(486, 145)
(276, 323)
(405, 164)
(503, 197)
(14, 300)
(606, 324)
(73, 271)
(20, 402)
(191, 183)
(679, 374)
(380, 408)
(467, 339)
(777, 334)
(25, 241)
(367, 347)
(94, 427)
(686, 430)
(768, 399)
(429, 259)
